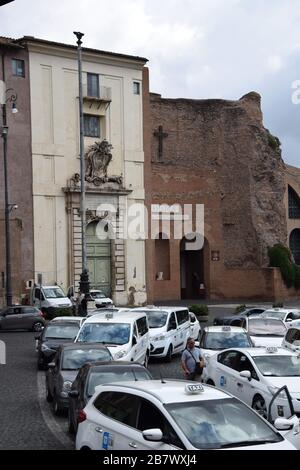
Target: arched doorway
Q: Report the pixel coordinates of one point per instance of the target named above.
(295, 244)
(98, 258)
(192, 271)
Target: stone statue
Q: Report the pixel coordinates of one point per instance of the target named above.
(98, 157)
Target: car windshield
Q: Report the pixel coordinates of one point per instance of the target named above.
(278, 366)
(216, 424)
(266, 327)
(118, 374)
(73, 359)
(53, 293)
(57, 331)
(280, 315)
(226, 340)
(156, 318)
(106, 333)
(98, 295)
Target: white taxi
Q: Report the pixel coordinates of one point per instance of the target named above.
(287, 315)
(255, 375)
(216, 338)
(265, 331)
(292, 338)
(174, 414)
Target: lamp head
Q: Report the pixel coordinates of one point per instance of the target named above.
(14, 108)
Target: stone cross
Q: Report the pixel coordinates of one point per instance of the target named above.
(160, 135)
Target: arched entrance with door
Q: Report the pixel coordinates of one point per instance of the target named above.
(194, 270)
(98, 257)
(295, 244)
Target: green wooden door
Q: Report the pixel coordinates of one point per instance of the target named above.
(98, 260)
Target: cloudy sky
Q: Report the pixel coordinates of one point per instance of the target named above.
(196, 48)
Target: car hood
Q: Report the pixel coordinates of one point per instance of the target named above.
(55, 343)
(264, 341)
(157, 332)
(292, 383)
(62, 302)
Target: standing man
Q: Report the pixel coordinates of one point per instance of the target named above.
(192, 361)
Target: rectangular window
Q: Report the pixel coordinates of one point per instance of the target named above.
(93, 85)
(18, 67)
(136, 88)
(91, 125)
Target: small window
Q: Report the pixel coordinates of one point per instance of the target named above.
(182, 316)
(93, 85)
(91, 125)
(119, 406)
(18, 67)
(142, 326)
(136, 88)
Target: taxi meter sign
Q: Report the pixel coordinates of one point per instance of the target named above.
(194, 388)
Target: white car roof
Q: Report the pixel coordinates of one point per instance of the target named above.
(163, 309)
(264, 351)
(122, 316)
(67, 319)
(282, 310)
(224, 329)
(171, 391)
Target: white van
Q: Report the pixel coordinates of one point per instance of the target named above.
(49, 297)
(169, 330)
(125, 333)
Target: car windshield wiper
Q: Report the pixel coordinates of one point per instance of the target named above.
(248, 443)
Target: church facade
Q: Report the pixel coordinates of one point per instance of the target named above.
(217, 154)
(113, 143)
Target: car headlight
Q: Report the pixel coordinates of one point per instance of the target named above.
(274, 390)
(159, 338)
(120, 354)
(67, 385)
(44, 347)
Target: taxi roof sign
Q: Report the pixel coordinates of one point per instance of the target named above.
(109, 315)
(271, 349)
(194, 389)
(226, 328)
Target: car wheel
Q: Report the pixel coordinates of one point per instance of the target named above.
(260, 406)
(49, 396)
(37, 326)
(168, 357)
(56, 408)
(71, 427)
(146, 361)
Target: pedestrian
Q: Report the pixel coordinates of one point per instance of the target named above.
(84, 306)
(192, 361)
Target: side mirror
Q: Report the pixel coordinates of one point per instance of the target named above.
(153, 435)
(283, 424)
(51, 365)
(246, 374)
(134, 340)
(73, 394)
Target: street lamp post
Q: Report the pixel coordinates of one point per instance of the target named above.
(84, 277)
(11, 97)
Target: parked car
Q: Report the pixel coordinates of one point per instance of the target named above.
(169, 329)
(265, 331)
(63, 370)
(238, 318)
(254, 375)
(50, 299)
(21, 317)
(101, 300)
(48, 342)
(292, 338)
(216, 338)
(285, 314)
(126, 334)
(171, 415)
(97, 373)
(78, 320)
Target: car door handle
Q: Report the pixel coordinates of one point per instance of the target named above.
(98, 430)
(132, 444)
